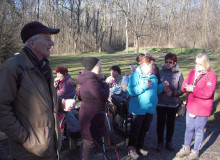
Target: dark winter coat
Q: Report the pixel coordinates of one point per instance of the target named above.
(94, 93)
(28, 116)
(67, 91)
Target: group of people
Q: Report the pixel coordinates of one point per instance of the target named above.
(151, 89)
(29, 114)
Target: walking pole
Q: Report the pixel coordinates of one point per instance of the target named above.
(112, 132)
(103, 145)
(109, 126)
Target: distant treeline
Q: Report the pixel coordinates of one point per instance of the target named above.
(112, 25)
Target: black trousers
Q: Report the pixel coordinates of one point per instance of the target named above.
(140, 125)
(165, 115)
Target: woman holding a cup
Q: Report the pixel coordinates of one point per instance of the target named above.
(142, 88)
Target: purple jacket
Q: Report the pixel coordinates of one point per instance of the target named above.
(94, 93)
(67, 91)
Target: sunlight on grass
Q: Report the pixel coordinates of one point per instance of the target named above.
(123, 60)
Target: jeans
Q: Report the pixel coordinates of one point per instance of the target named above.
(194, 125)
(165, 115)
(140, 125)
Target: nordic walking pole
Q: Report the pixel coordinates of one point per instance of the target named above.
(112, 132)
(103, 145)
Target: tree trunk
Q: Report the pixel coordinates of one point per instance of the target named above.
(137, 44)
(126, 34)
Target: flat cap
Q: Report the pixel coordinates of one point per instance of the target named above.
(35, 27)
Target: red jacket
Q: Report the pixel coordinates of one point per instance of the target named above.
(200, 101)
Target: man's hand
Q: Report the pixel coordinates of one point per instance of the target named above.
(68, 104)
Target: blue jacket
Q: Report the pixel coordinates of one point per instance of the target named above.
(143, 99)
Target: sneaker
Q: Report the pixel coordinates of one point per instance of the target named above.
(169, 146)
(159, 147)
(143, 152)
(133, 154)
(194, 155)
(184, 151)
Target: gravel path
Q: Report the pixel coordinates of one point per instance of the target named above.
(210, 148)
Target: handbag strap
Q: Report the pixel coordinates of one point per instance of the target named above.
(195, 85)
(200, 78)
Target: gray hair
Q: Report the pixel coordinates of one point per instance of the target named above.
(147, 54)
(33, 37)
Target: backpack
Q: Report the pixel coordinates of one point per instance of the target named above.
(20, 69)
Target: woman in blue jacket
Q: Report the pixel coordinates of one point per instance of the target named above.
(143, 88)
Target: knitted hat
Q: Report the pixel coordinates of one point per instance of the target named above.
(32, 28)
(89, 62)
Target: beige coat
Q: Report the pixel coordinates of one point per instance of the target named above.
(29, 116)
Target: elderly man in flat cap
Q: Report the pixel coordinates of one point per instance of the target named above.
(28, 113)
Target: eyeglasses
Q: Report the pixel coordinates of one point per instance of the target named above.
(170, 62)
(199, 64)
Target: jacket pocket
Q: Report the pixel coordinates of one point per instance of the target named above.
(40, 142)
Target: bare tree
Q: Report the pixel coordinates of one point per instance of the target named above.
(9, 24)
(98, 25)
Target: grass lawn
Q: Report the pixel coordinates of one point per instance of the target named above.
(185, 61)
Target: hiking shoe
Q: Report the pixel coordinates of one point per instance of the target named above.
(133, 154)
(184, 151)
(169, 146)
(159, 147)
(143, 152)
(194, 155)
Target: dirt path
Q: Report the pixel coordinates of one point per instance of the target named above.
(210, 147)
